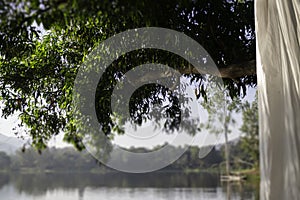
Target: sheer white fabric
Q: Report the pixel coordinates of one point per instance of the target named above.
(278, 72)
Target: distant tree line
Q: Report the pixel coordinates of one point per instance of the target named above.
(69, 159)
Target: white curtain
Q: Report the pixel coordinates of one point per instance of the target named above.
(278, 72)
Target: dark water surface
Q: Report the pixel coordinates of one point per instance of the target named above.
(116, 186)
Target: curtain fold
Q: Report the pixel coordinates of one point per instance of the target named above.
(278, 74)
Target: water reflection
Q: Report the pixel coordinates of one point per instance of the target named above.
(244, 189)
(121, 186)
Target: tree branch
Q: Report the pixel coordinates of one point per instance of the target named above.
(233, 71)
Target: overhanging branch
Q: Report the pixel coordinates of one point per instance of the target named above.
(232, 71)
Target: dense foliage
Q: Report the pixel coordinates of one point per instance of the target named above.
(43, 43)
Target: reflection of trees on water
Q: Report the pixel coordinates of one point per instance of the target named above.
(228, 191)
(241, 190)
(4, 180)
(81, 193)
(40, 184)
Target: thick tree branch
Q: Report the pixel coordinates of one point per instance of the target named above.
(233, 71)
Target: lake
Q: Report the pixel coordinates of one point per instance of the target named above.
(119, 186)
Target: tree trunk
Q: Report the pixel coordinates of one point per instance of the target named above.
(226, 138)
(227, 153)
(278, 73)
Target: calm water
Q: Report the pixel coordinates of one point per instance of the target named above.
(119, 186)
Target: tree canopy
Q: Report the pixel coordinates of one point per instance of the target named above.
(43, 44)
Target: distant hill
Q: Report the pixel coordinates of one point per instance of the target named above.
(10, 144)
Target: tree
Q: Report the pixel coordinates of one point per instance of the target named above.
(220, 109)
(37, 71)
(249, 142)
